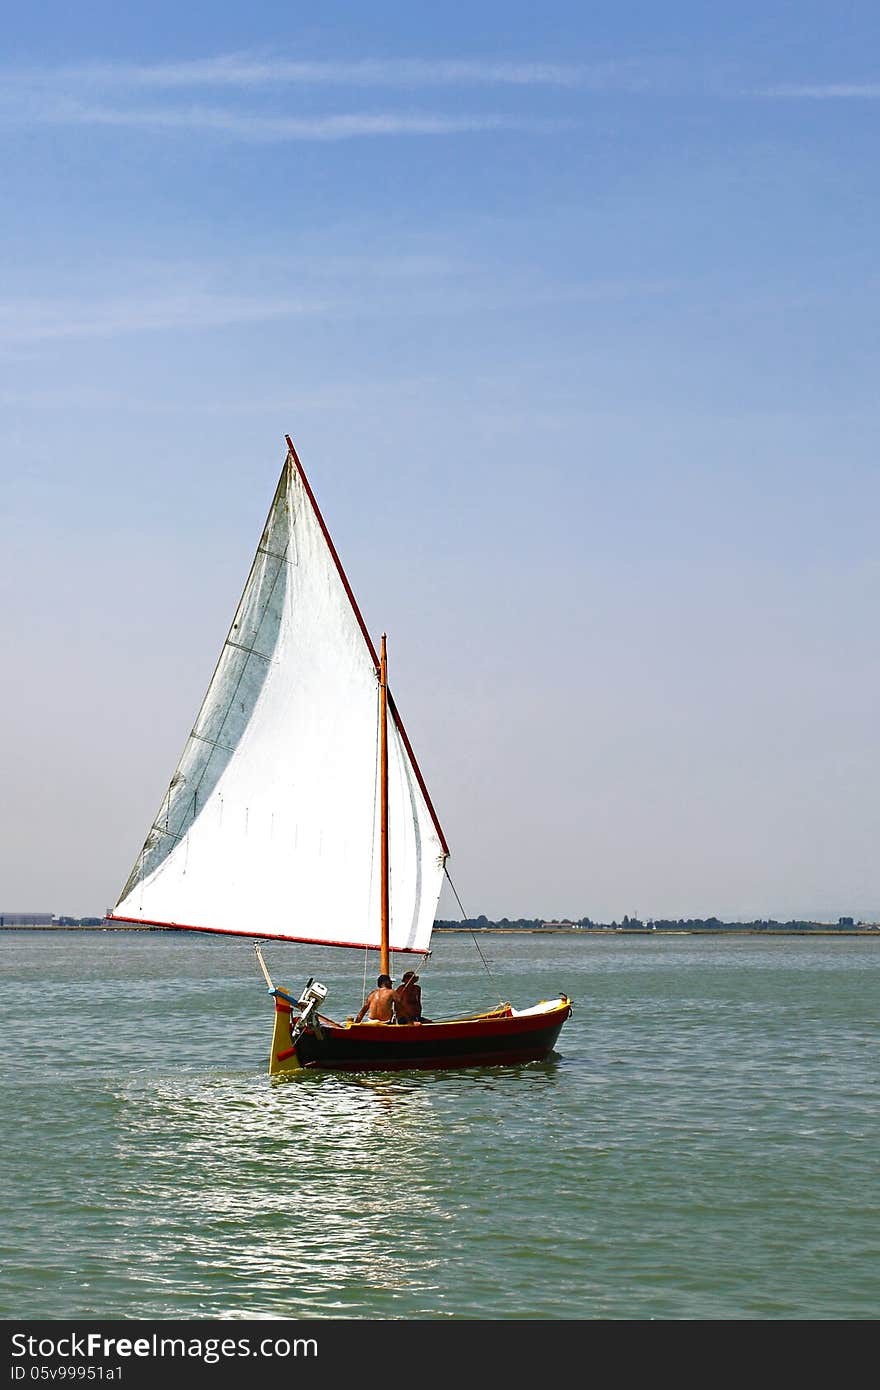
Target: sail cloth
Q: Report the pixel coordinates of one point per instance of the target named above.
(270, 826)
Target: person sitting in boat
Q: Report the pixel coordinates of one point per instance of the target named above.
(408, 999)
(379, 1003)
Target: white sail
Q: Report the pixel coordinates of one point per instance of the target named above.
(271, 823)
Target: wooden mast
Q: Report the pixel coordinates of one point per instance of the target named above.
(384, 964)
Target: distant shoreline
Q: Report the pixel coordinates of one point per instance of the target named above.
(661, 931)
(587, 932)
(74, 926)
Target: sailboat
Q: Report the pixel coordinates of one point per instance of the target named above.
(298, 812)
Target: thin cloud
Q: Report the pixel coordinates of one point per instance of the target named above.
(341, 395)
(245, 125)
(829, 91)
(257, 72)
(243, 70)
(32, 323)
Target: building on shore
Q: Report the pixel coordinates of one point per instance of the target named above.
(47, 919)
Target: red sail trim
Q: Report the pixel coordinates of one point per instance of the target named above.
(369, 641)
(261, 936)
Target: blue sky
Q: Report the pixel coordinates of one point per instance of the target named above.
(572, 313)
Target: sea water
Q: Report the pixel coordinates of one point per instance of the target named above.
(704, 1143)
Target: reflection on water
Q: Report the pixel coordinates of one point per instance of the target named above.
(319, 1193)
(317, 1180)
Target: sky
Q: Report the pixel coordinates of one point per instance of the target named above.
(572, 313)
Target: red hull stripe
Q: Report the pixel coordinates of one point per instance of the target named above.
(261, 936)
(477, 1042)
(508, 1026)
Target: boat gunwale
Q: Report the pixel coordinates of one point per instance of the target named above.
(475, 1024)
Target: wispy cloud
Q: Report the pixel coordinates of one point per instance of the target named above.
(339, 395)
(248, 70)
(53, 320)
(252, 95)
(828, 91)
(247, 125)
(179, 302)
(264, 72)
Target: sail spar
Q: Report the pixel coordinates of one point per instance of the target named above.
(270, 824)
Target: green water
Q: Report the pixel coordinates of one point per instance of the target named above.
(703, 1145)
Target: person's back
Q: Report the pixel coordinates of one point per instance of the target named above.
(379, 1003)
(408, 999)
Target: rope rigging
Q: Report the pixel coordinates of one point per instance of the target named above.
(465, 919)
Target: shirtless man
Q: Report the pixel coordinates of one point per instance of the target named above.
(379, 1003)
(408, 999)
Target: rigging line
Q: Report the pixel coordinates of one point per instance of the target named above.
(163, 830)
(251, 651)
(214, 743)
(465, 918)
(275, 554)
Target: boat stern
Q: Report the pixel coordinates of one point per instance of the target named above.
(282, 1056)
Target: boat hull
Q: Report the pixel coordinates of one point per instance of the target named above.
(500, 1038)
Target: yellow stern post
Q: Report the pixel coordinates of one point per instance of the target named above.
(282, 1057)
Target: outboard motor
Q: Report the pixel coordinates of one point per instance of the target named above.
(313, 995)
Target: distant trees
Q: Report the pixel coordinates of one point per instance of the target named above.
(475, 923)
(688, 924)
